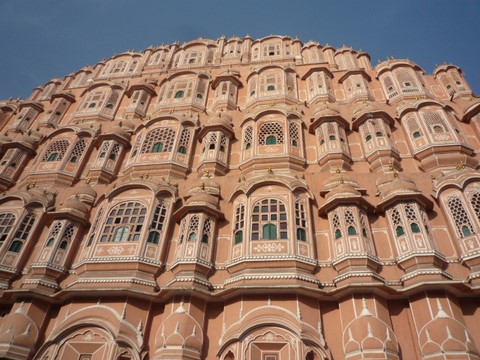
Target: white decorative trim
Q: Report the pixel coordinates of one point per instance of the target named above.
(112, 281)
(190, 261)
(189, 279)
(48, 266)
(271, 277)
(359, 274)
(416, 273)
(49, 284)
(129, 259)
(252, 258)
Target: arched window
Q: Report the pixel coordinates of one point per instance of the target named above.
(269, 220)
(16, 246)
(294, 134)
(124, 222)
(300, 220)
(205, 238)
(271, 140)
(438, 129)
(22, 233)
(121, 234)
(54, 233)
(248, 138)
(301, 234)
(352, 230)
(399, 231)
(192, 236)
(466, 231)
(184, 141)
(415, 228)
(270, 88)
(78, 151)
(239, 237)
(207, 229)
(179, 94)
(475, 202)
(6, 223)
(338, 234)
(56, 151)
(239, 223)
(63, 244)
(53, 157)
(269, 132)
(164, 136)
(157, 147)
(460, 216)
(269, 232)
(153, 237)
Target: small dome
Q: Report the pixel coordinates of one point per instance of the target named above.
(86, 190)
(343, 191)
(340, 180)
(446, 335)
(205, 185)
(202, 198)
(344, 48)
(76, 206)
(325, 111)
(180, 330)
(391, 185)
(221, 119)
(4, 139)
(119, 131)
(18, 330)
(128, 125)
(363, 109)
(369, 334)
(27, 139)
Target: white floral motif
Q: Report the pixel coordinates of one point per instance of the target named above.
(269, 247)
(117, 250)
(272, 149)
(269, 337)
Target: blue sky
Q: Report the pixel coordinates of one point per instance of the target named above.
(45, 39)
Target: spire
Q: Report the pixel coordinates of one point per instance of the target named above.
(365, 311)
(180, 309)
(440, 314)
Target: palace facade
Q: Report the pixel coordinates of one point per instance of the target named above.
(242, 199)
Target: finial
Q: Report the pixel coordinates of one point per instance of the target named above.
(365, 311)
(338, 171)
(89, 180)
(270, 171)
(441, 313)
(203, 186)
